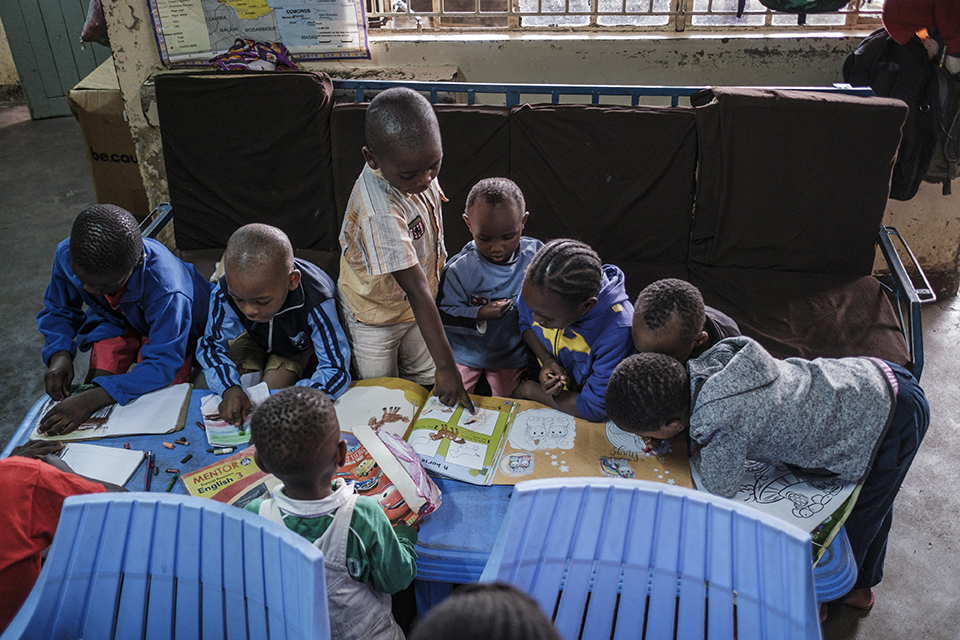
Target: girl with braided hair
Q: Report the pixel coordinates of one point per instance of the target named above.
(576, 317)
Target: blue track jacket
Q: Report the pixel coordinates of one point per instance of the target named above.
(165, 300)
(307, 320)
(591, 347)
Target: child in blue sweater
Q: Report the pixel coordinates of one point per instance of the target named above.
(480, 284)
(575, 315)
(144, 306)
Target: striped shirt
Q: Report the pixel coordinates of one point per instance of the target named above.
(386, 230)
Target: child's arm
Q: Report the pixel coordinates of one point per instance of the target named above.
(390, 560)
(332, 375)
(721, 460)
(609, 351)
(222, 375)
(448, 385)
(455, 310)
(59, 321)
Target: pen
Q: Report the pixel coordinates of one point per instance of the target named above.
(146, 484)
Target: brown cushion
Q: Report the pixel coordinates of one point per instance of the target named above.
(790, 180)
(619, 178)
(346, 140)
(248, 147)
(806, 315)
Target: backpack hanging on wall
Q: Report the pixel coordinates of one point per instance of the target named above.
(946, 151)
(907, 73)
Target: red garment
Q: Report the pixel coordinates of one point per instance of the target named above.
(118, 354)
(903, 18)
(33, 494)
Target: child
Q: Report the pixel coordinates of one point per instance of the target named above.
(852, 418)
(35, 484)
(670, 318)
(485, 611)
(297, 436)
(479, 285)
(281, 316)
(575, 315)
(144, 306)
(393, 253)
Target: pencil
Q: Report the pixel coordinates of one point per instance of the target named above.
(146, 484)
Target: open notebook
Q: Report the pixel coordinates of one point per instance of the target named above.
(160, 411)
(106, 464)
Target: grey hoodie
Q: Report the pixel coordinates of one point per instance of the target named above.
(822, 417)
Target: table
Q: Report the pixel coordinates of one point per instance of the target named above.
(452, 549)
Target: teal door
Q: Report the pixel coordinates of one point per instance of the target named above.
(44, 36)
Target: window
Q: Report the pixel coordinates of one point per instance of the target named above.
(608, 15)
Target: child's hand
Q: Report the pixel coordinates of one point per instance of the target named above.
(37, 448)
(59, 375)
(68, 414)
(235, 405)
(495, 310)
(448, 387)
(553, 378)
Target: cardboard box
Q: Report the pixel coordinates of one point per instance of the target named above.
(97, 104)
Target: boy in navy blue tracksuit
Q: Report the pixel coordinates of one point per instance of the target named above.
(273, 313)
(144, 306)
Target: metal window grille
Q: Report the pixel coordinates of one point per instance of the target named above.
(608, 15)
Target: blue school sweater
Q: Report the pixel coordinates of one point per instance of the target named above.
(590, 348)
(470, 281)
(165, 299)
(307, 320)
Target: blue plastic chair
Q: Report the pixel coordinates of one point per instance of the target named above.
(615, 558)
(836, 573)
(144, 565)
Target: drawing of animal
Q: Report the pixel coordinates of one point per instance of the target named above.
(616, 468)
(519, 463)
(535, 431)
(390, 414)
(450, 434)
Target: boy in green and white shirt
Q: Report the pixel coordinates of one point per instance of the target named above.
(297, 436)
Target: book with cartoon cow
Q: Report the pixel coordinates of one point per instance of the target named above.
(507, 440)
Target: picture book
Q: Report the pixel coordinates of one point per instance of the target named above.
(818, 506)
(507, 440)
(158, 412)
(221, 433)
(238, 480)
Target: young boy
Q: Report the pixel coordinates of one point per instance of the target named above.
(274, 313)
(144, 306)
(479, 285)
(575, 316)
(670, 318)
(35, 484)
(393, 253)
(852, 418)
(297, 436)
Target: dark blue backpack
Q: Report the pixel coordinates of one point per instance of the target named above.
(904, 72)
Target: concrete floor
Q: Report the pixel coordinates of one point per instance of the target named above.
(45, 182)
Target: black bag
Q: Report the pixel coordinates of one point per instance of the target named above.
(805, 6)
(904, 72)
(946, 152)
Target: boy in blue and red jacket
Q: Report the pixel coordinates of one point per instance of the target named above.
(577, 319)
(144, 306)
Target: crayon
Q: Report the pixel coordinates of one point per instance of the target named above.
(200, 424)
(126, 445)
(168, 445)
(223, 450)
(146, 483)
(172, 482)
(173, 470)
(186, 457)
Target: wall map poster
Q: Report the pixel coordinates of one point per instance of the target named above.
(194, 31)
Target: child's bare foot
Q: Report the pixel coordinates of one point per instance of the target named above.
(860, 599)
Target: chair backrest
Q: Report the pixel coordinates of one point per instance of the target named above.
(166, 566)
(614, 558)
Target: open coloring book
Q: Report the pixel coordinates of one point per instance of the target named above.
(507, 441)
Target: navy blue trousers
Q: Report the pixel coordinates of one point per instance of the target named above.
(869, 523)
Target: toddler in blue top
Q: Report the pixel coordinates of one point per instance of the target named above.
(480, 284)
(575, 315)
